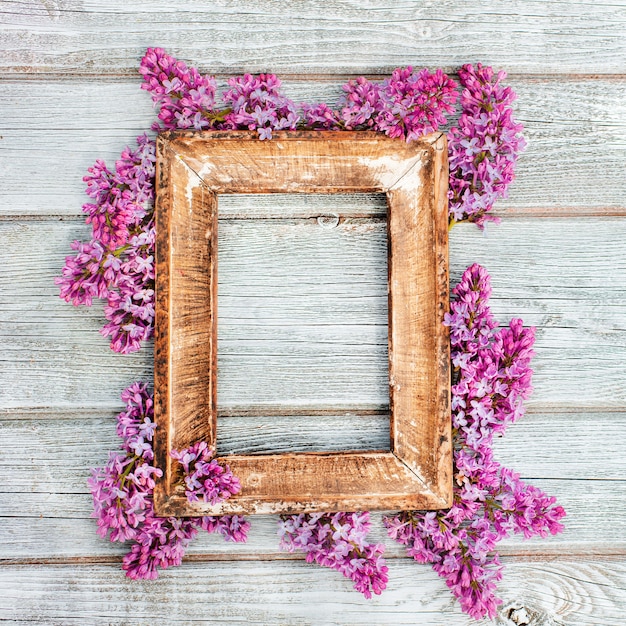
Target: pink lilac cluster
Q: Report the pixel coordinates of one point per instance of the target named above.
(256, 103)
(413, 104)
(122, 493)
(484, 147)
(187, 99)
(338, 541)
(117, 264)
(492, 377)
(407, 105)
(205, 479)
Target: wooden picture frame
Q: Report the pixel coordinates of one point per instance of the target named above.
(193, 168)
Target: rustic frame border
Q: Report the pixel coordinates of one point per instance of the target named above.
(192, 169)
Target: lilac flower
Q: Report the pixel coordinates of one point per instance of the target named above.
(205, 478)
(490, 501)
(83, 276)
(120, 196)
(414, 104)
(123, 496)
(135, 425)
(338, 541)
(186, 98)
(484, 147)
(118, 263)
(360, 104)
(159, 543)
(130, 308)
(120, 491)
(256, 103)
(320, 116)
(407, 105)
(231, 527)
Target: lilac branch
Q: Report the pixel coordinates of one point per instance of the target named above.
(122, 494)
(338, 541)
(492, 377)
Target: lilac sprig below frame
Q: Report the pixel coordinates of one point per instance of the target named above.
(338, 541)
(122, 493)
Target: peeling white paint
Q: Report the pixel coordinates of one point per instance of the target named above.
(390, 169)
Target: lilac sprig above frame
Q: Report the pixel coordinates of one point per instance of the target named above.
(491, 365)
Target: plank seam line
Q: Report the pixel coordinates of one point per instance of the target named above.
(107, 412)
(374, 216)
(529, 557)
(17, 74)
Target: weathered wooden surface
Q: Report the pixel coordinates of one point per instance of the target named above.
(62, 37)
(564, 276)
(70, 94)
(557, 593)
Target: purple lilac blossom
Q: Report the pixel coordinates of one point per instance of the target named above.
(413, 104)
(484, 147)
(256, 103)
(359, 104)
(118, 263)
(185, 98)
(122, 493)
(492, 378)
(205, 479)
(338, 541)
(320, 116)
(406, 105)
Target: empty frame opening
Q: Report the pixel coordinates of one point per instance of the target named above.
(303, 360)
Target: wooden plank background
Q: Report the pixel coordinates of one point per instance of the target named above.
(303, 345)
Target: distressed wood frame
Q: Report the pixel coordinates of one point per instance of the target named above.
(192, 169)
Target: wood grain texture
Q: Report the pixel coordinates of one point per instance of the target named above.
(310, 482)
(419, 353)
(192, 169)
(556, 593)
(301, 161)
(62, 37)
(574, 162)
(309, 344)
(185, 353)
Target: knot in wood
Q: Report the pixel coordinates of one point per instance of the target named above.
(328, 221)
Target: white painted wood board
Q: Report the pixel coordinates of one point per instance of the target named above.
(49, 526)
(575, 127)
(72, 37)
(563, 275)
(553, 593)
